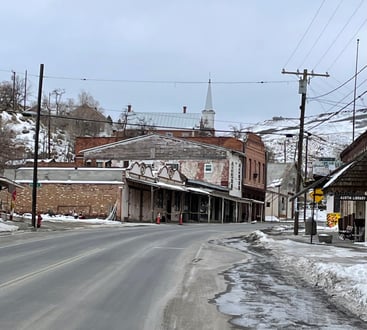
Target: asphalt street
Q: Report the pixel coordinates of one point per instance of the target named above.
(157, 277)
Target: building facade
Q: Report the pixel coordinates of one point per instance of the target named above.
(281, 187)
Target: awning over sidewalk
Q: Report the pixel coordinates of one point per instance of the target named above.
(316, 184)
(8, 184)
(198, 190)
(170, 186)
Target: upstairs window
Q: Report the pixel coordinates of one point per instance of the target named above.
(208, 168)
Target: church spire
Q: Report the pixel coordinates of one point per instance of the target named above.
(208, 114)
(209, 99)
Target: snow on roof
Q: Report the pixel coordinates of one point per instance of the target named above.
(198, 190)
(337, 175)
(275, 183)
(170, 186)
(71, 182)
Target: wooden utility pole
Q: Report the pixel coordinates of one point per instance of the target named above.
(355, 90)
(25, 91)
(14, 77)
(36, 139)
(303, 92)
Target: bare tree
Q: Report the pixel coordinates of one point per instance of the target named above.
(237, 132)
(85, 98)
(12, 94)
(143, 127)
(9, 149)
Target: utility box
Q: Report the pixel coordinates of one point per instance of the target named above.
(310, 227)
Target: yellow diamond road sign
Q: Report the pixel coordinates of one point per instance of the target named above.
(317, 195)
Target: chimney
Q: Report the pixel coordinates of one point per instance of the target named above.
(129, 108)
(184, 109)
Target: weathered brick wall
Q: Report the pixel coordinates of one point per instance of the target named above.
(82, 143)
(94, 200)
(255, 152)
(195, 170)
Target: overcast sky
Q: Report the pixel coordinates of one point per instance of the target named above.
(159, 55)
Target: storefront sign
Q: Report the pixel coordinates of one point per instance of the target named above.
(353, 197)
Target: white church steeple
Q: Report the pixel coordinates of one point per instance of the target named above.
(208, 113)
(209, 98)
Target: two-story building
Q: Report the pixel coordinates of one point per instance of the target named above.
(213, 175)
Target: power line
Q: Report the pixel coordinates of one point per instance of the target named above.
(360, 84)
(343, 84)
(304, 34)
(339, 111)
(171, 82)
(321, 33)
(346, 46)
(338, 35)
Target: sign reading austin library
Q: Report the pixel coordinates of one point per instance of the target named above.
(353, 197)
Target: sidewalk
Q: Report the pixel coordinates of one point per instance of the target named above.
(285, 231)
(338, 268)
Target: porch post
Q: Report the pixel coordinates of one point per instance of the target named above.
(152, 202)
(250, 212)
(119, 206)
(236, 211)
(365, 221)
(222, 209)
(209, 208)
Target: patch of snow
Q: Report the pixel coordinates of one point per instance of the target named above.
(4, 227)
(340, 272)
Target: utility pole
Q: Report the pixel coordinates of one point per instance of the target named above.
(25, 91)
(303, 92)
(13, 90)
(308, 134)
(355, 90)
(49, 127)
(35, 161)
(58, 94)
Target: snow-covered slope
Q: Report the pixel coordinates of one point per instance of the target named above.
(23, 131)
(326, 135)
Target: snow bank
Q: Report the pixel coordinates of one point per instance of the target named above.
(7, 228)
(340, 272)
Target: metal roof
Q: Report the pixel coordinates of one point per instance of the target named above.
(8, 184)
(350, 178)
(163, 120)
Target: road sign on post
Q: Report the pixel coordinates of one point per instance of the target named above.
(37, 185)
(317, 195)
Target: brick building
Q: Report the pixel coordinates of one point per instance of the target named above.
(66, 190)
(205, 165)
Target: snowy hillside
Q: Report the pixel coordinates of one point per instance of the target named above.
(23, 130)
(327, 134)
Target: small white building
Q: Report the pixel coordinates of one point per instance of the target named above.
(281, 185)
